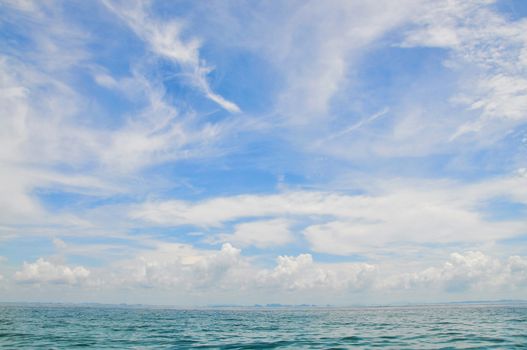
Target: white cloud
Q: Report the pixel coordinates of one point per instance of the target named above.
(437, 27)
(395, 211)
(50, 133)
(188, 275)
(59, 243)
(302, 273)
(46, 114)
(44, 271)
(262, 234)
(106, 81)
(503, 96)
(415, 224)
(469, 102)
(317, 44)
(477, 36)
(37, 128)
(33, 138)
(353, 127)
(207, 272)
(516, 269)
(471, 270)
(155, 135)
(183, 267)
(164, 39)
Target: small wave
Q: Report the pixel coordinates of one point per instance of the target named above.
(352, 338)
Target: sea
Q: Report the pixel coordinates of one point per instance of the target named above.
(25, 326)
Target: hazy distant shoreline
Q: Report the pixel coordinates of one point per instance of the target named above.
(270, 306)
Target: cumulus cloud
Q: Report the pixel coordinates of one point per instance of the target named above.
(516, 269)
(185, 268)
(226, 270)
(43, 271)
(467, 271)
(302, 273)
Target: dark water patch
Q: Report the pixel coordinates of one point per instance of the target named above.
(352, 338)
(490, 340)
(389, 337)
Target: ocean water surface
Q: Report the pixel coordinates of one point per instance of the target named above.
(418, 327)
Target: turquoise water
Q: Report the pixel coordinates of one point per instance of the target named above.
(430, 327)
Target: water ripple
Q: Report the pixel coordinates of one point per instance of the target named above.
(433, 327)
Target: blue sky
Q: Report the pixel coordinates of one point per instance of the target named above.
(245, 152)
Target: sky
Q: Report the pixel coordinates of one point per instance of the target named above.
(241, 152)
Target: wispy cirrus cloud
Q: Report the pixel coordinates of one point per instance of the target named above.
(51, 136)
(165, 40)
(474, 34)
